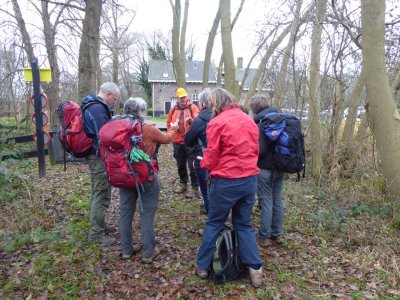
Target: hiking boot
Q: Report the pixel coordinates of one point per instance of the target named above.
(201, 231)
(149, 259)
(203, 274)
(256, 277)
(104, 241)
(183, 189)
(264, 242)
(277, 240)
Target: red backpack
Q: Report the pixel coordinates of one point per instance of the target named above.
(121, 146)
(72, 135)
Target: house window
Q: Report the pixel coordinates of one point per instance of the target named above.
(165, 83)
(167, 107)
(169, 104)
(195, 97)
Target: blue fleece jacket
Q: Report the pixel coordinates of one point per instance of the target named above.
(95, 116)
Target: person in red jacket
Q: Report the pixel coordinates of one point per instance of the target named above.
(231, 158)
(185, 112)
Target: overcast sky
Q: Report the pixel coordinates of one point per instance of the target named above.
(154, 15)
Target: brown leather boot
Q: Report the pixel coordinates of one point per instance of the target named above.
(183, 189)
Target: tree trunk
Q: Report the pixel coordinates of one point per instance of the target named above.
(89, 49)
(209, 48)
(53, 88)
(178, 41)
(347, 141)
(115, 61)
(263, 64)
(315, 126)
(226, 38)
(281, 83)
(336, 120)
(28, 50)
(383, 116)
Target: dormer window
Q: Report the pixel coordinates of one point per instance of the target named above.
(187, 75)
(165, 75)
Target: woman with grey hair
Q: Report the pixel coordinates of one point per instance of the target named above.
(136, 108)
(196, 138)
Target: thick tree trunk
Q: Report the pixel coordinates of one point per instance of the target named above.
(383, 116)
(178, 41)
(226, 37)
(315, 126)
(89, 49)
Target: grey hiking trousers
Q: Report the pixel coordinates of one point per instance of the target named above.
(128, 203)
(100, 198)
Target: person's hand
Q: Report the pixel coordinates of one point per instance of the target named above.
(189, 120)
(175, 124)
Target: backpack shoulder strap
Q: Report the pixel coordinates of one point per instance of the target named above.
(227, 238)
(190, 109)
(96, 101)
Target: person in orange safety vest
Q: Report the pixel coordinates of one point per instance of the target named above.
(186, 112)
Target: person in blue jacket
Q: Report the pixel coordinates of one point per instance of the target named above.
(270, 180)
(96, 114)
(196, 138)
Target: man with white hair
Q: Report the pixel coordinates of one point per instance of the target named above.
(95, 116)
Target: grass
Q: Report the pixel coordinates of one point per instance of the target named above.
(163, 120)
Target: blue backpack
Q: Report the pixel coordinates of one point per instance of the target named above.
(284, 131)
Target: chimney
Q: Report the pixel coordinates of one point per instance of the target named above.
(240, 63)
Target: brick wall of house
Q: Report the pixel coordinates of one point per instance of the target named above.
(166, 93)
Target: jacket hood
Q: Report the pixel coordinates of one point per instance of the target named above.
(93, 97)
(89, 98)
(262, 113)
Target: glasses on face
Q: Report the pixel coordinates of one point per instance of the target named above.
(115, 96)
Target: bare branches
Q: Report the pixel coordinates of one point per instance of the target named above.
(67, 4)
(345, 22)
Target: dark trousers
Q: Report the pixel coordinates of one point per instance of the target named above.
(202, 176)
(226, 194)
(183, 157)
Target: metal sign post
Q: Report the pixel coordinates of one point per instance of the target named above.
(38, 113)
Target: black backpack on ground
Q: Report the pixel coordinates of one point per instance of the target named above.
(284, 130)
(226, 264)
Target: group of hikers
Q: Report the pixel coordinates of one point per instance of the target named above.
(219, 149)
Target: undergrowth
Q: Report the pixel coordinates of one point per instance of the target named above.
(339, 239)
